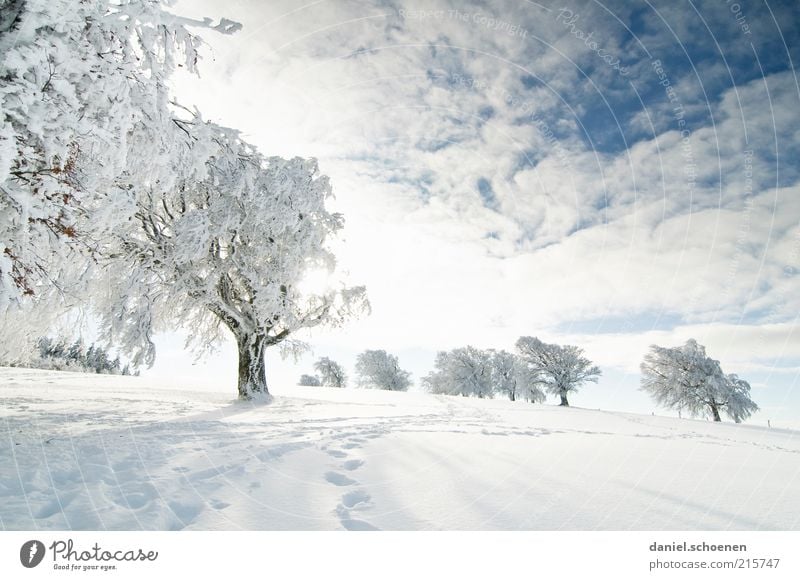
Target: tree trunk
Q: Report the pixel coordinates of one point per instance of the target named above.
(564, 402)
(512, 396)
(715, 412)
(252, 368)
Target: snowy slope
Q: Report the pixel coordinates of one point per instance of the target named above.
(100, 452)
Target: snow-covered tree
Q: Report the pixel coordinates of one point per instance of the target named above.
(504, 373)
(532, 391)
(379, 370)
(170, 220)
(331, 373)
(101, 362)
(83, 105)
(89, 359)
(739, 405)
(45, 346)
(560, 369)
(58, 350)
(513, 377)
(686, 378)
(438, 381)
(464, 371)
(224, 244)
(75, 354)
(309, 381)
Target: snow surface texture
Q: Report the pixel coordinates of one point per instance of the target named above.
(122, 453)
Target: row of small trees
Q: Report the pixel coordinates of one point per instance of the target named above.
(473, 372)
(329, 374)
(61, 355)
(375, 369)
(683, 378)
(538, 367)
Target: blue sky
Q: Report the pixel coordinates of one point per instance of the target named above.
(604, 174)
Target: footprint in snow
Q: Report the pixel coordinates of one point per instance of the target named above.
(352, 464)
(351, 524)
(356, 498)
(338, 478)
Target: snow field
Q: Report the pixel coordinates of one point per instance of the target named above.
(125, 453)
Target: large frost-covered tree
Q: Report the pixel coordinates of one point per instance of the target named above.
(561, 369)
(331, 373)
(380, 370)
(466, 371)
(109, 190)
(224, 244)
(82, 95)
(686, 378)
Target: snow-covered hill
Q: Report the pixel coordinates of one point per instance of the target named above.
(101, 452)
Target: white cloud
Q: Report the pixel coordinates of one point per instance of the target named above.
(740, 348)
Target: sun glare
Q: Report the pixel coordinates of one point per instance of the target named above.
(316, 281)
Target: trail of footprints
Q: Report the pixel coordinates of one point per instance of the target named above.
(355, 500)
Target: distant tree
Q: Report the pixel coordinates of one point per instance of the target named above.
(309, 381)
(331, 373)
(380, 370)
(45, 345)
(560, 369)
(75, 354)
(101, 362)
(740, 406)
(439, 381)
(466, 371)
(504, 373)
(686, 378)
(58, 349)
(88, 359)
(512, 377)
(94, 356)
(532, 390)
